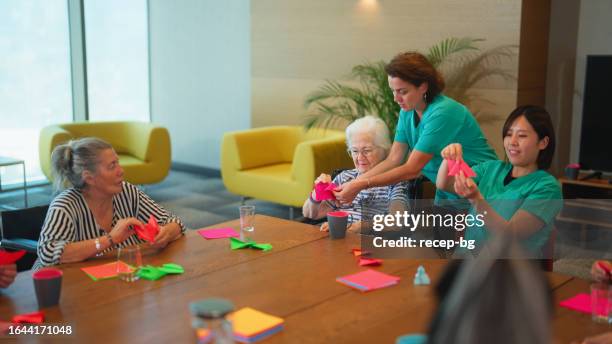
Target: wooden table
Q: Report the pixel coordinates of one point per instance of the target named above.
(295, 280)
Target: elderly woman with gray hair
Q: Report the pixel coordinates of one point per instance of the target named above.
(368, 144)
(96, 208)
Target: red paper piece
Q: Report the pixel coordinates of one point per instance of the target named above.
(323, 191)
(369, 262)
(454, 167)
(580, 303)
(10, 257)
(149, 231)
(30, 318)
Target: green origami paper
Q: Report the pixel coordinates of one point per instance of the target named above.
(237, 244)
(154, 273)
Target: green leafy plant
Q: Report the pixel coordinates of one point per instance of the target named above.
(460, 61)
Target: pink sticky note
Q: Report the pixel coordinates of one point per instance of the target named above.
(368, 280)
(369, 262)
(218, 233)
(108, 270)
(324, 191)
(10, 257)
(580, 303)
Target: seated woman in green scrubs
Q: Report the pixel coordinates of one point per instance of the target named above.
(517, 196)
(428, 121)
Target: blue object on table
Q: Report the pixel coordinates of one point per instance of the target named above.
(421, 278)
(411, 339)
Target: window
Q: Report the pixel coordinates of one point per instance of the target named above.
(117, 59)
(35, 84)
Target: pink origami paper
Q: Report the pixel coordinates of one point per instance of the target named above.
(149, 231)
(323, 191)
(580, 303)
(454, 167)
(10, 257)
(218, 233)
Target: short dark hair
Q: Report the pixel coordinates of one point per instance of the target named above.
(541, 122)
(414, 68)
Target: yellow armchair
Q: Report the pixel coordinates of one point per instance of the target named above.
(143, 148)
(279, 164)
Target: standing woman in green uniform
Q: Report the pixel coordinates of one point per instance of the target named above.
(428, 121)
(517, 196)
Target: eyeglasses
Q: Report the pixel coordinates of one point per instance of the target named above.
(366, 152)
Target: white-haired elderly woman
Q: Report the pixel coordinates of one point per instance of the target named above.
(96, 209)
(368, 143)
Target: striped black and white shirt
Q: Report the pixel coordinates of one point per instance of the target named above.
(372, 201)
(69, 219)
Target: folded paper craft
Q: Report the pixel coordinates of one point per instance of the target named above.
(454, 167)
(605, 268)
(370, 261)
(29, 318)
(218, 233)
(324, 191)
(154, 273)
(237, 244)
(10, 257)
(149, 231)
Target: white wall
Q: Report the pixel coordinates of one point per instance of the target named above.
(200, 74)
(594, 32)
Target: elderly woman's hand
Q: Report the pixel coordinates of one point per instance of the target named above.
(123, 229)
(166, 234)
(454, 151)
(323, 178)
(346, 193)
(7, 274)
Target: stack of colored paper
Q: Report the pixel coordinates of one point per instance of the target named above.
(218, 233)
(104, 271)
(251, 325)
(368, 280)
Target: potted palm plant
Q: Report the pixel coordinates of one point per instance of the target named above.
(460, 61)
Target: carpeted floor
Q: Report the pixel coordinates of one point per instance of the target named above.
(202, 201)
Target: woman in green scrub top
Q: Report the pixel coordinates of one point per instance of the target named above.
(428, 121)
(517, 196)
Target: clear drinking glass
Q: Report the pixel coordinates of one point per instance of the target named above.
(247, 218)
(209, 321)
(601, 302)
(129, 261)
